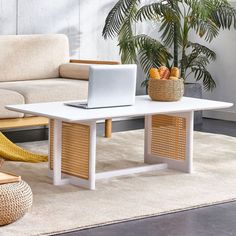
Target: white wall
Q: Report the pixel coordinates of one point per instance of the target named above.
(8, 16)
(224, 73)
(81, 20)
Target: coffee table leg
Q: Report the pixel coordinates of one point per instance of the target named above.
(57, 144)
(148, 141)
(189, 146)
(92, 156)
(169, 139)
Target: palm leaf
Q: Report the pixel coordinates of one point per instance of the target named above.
(204, 75)
(200, 8)
(197, 60)
(127, 47)
(224, 17)
(197, 63)
(208, 16)
(201, 49)
(205, 28)
(170, 31)
(117, 16)
(158, 10)
(151, 52)
(149, 12)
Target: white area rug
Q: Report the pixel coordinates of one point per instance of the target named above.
(66, 208)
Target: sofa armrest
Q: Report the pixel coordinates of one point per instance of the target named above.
(74, 71)
(79, 69)
(95, 62)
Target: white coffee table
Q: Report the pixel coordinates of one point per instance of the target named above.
(168, 136)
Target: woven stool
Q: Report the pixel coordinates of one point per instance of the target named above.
(15, 200)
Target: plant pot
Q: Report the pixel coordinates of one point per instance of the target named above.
(194, 90)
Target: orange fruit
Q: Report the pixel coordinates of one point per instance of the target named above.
(173, 78)
(154, 73)
(164, 72)
(175, 72)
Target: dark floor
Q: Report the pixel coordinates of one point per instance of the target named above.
(218, 220)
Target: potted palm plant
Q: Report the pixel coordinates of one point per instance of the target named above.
(177, 19)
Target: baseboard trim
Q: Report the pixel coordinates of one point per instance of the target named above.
(220, 115)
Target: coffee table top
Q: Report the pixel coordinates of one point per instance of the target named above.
(143, 106)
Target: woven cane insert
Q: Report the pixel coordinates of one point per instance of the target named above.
(165, 90)
(168, 137)
(75, 149)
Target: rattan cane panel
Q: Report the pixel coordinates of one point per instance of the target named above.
(75, 149)
(168, 137)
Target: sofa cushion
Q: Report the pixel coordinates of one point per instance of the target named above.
(75, 71)
(9, 97)
(49, 90)
(28, 57)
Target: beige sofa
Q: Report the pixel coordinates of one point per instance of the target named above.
(37, 68)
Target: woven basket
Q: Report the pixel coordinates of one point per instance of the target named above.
(165, 90)
(15, 200)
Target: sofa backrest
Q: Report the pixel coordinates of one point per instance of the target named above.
(27, 57)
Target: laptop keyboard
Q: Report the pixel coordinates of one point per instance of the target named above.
(77, 104)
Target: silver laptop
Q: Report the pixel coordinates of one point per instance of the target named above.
(110, 86)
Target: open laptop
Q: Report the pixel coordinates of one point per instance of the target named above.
(110, 86)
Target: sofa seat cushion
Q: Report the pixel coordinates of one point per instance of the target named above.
(49, 90)
(9, 97)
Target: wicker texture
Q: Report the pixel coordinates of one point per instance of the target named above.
(165, 90)
(75, 149)
(15, 200)
(168, 137)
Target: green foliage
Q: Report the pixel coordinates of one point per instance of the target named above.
(151, 52)
(120, 22)
(176, 20)
(122, 10)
